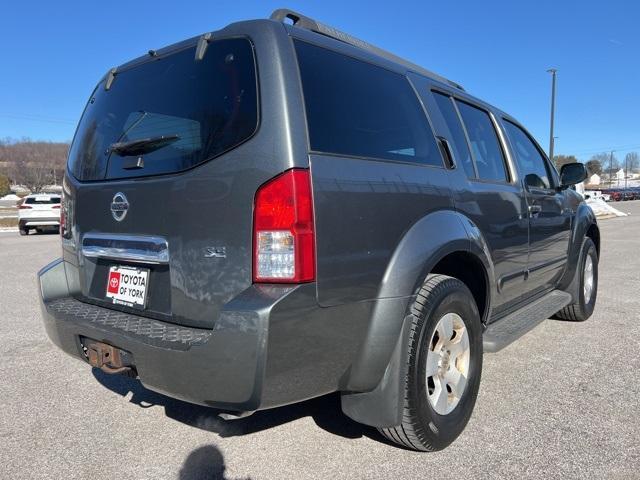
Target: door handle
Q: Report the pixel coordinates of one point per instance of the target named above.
(534, 209)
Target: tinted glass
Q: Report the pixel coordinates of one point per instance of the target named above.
(460, 145)
(42, 200)
(530, 160)
(209, 105)
(355, 108)
(484, 143)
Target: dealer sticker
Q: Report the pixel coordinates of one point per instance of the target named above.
(128, 286)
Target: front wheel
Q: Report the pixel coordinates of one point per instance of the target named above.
(588, 285)
(445, 365)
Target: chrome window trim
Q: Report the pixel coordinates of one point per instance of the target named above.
(510, 161)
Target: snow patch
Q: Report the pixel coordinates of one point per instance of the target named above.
(603, 209)
(11, 196)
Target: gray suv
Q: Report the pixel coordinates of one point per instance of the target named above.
(276, 211)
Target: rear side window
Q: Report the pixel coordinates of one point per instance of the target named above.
(451, 118)
(531, 163)
(485, 147)
(198, 110)
(42, 200)
(358, 109)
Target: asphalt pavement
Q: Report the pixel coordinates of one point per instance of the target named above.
(563, 401)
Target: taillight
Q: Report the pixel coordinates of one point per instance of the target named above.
(283, 231)
(56, 206)
(24, 207)
(63, 216)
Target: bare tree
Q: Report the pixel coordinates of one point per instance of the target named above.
(594, 166)
(33, 164)
(609, 163)
(632, 162)
(34, 175)
(561, 160)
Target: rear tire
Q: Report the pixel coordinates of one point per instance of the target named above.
(24, 231)
(430, 421)
(588, 285)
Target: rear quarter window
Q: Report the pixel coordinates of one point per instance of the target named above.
(358, 109)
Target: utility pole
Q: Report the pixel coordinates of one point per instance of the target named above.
(611, 168)
(626, 170)
(553, 72)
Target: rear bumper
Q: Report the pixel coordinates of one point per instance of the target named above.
(225, 367)
(39, 222)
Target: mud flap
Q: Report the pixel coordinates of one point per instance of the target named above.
(383, 406)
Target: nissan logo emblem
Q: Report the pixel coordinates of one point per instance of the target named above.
(119, 206)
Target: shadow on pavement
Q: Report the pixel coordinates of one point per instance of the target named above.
(325, 411)
(204, 463)
(45, 231)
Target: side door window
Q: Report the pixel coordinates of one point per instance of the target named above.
(531, 163)
(460, 146)
(485, 147)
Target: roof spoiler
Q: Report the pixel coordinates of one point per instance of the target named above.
(306, 23)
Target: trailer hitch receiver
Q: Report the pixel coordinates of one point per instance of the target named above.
(106, 357)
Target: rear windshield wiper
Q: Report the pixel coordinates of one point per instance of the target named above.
(142, 145)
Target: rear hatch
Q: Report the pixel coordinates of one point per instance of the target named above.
(161, 179)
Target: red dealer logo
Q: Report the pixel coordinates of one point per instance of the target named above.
(114, 282)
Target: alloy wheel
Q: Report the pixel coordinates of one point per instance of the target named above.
(447, 363)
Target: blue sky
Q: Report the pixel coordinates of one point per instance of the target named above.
(54, 52)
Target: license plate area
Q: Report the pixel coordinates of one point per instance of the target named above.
(128, 286)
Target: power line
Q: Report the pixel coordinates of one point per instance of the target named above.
(38, 118)
(608, 149)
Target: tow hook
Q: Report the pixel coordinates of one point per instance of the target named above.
(106, 358)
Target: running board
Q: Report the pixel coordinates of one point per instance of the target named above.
(508, 329)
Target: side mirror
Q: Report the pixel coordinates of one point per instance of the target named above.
(572, 173)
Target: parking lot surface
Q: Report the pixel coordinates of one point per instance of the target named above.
(563, 401)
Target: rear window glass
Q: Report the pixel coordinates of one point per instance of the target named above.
(42, 200)
(358, 109)
(185, 112)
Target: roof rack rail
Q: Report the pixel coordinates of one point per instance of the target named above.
(301, 21)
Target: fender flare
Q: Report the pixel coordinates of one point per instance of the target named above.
(375, 380)
(584, 219)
